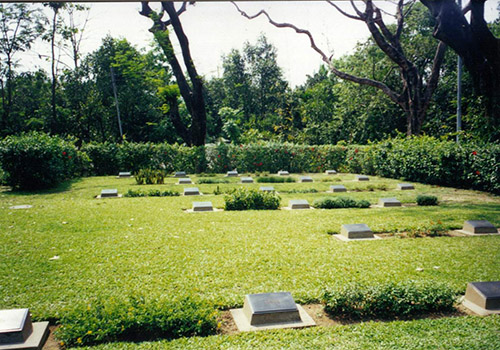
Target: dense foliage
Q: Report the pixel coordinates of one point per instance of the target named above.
(133, 319)
(427, 200)
(245, 199)
(387, 301)
(37, 161)
(340, 202)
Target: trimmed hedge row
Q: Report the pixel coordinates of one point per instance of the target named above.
(421, 159)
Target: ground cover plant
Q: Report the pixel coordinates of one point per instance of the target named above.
(275, 179)
(149, 246)
(150, 193)
(427, 200)
(249, 199)
(340, 202)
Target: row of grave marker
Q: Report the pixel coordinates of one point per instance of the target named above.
(260, 312)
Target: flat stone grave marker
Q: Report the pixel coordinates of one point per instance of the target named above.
(22, 206)
(362, 178)
(109, 193)
(191, 191)
(246, 180)
(406, 187)
(283, 173)
(266, 188)
(299, 204)
(270, 310)
(479, 227)
(389, 202)
(483, 297)
(338, 188)
(232, 173)
(356, 231)
(124, 174)
(180, 174)
(306, 179)
(202, 206)
(185, 180)
(17, 331)
(330, 172)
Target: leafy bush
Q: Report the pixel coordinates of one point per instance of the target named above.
(151, 193)
(246, 199)
(135, 319)
(275, 179)
(339, 202)
(389, 300)
(306, 190)
(427, 200)
(433, 230)
(150, 177)
(213, 181)
(38, 161)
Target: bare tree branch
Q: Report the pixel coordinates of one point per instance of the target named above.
(345, 13)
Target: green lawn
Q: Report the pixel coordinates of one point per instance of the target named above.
(150, 246)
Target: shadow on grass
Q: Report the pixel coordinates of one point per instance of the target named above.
(62, 187)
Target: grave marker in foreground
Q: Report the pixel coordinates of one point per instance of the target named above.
(17, 331)
(479, 227)
(483, 298)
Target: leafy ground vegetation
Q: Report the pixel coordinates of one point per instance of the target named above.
(71, 251)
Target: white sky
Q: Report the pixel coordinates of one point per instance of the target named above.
(214, 28)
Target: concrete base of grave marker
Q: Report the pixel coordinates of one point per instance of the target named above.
(180, 174)
(389, 202)
(283, 173)
(246, 180)
(111, 193)
(202, 206)
(299, 204)
(330, 172)
(338, 188)
(305, 179)
(232, 173)
(185, 181)
(23, 206)
(17, 332)
(356, 231)
(483, 298)
(405, 187)
(362, 178)
(191, 191)
(270, 311)
(266, 188)
(474, 227)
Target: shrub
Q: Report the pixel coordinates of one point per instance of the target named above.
(427, 200)
(135, 319)
(306, 190)
(151, 193)
(389, 300)
(433, 230)
(150, 177)
(37, 161)
(247, 199)
(213, 181)
(275, 179)
(339, 202)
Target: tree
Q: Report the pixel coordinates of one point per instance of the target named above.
(20, 25)
(475, 43)
(413, 95)
(192, 94)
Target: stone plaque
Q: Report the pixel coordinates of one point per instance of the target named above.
(15, 326)
(23, 206)
(330, 172)
(299, 204)
(266, 188)
(202, 206)
(191, 191)
(389, 202)
(283, 173)
(338, 188)
(479, 226)
(485, 295)
(246, 180)
(362, 178)
(185, 180)
(406, 187)
(356, 231)
(306, 179)
(232, 173)
(124, 174)
(268, 308)
(109, 193)
(180, 174)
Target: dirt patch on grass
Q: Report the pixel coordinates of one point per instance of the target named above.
(51, 343)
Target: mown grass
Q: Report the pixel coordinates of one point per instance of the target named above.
(128, 246)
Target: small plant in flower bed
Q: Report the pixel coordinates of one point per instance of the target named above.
(306, 190)
(427, 200)
(434, 230)
(246, 199)
(135, 319)
(340, 202)
(275, 179)
(213, 181)
(151, 193)
(389, 301)
(150, 177)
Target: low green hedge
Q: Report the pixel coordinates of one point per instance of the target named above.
(246, 199)
(423, 199)
(340, 202)
(151, 193)
(135, 319)
(275, 179)
(388, 301)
